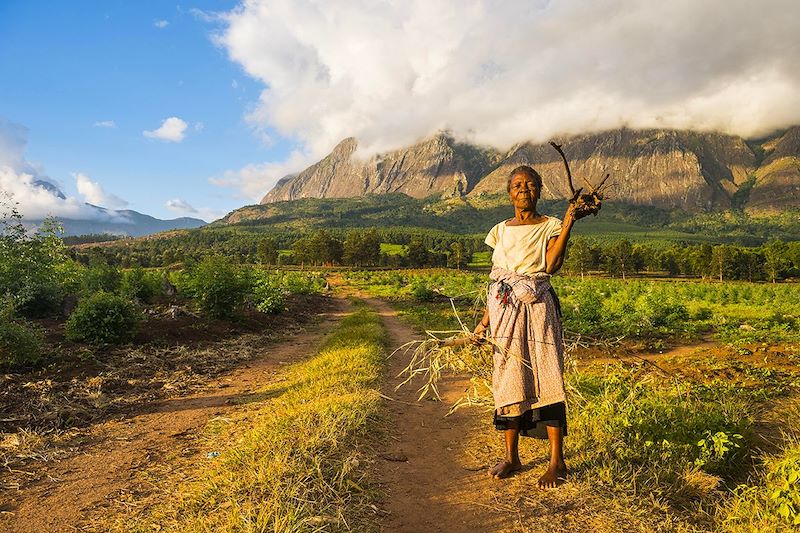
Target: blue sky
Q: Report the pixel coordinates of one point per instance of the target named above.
(70, 66)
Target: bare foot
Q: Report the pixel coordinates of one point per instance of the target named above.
(504, 469)
(554, 476)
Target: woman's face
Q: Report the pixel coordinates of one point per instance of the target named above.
(524, 193)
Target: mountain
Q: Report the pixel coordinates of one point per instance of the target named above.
(438, 165)
(121, 222)
(693, 171)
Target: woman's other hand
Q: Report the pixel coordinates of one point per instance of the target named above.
(479, 333)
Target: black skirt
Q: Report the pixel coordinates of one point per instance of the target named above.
(534, 422)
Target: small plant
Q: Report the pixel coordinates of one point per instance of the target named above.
(103, 318)
(20, 343)
(421, 292)
(717, 448)
(217, 285)
(268, 297)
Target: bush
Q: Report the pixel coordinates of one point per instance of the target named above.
(100, 276)
(20, 344)
(421, 292)
(268, 297)
(138, 284)
(40, 299)
(103, 318)
(217, 285)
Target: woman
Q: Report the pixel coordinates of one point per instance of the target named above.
(525, 318)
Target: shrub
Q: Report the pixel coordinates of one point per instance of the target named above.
(268, 297)
(421, 292)
(103, 318)
(20, 344)
(217, 285)
(100, 276)
(136, 283)
(40, 299)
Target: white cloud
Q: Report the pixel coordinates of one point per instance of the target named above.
(184, 208)
(161, 24)
(172, 129)
(36, 193)
(394, 71)
(199, 126)
(180, 206)
(105, 124)
(94, 194)
(254, 180)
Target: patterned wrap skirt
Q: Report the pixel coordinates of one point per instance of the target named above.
(528, 360)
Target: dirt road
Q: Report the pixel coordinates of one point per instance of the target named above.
(115, 451)
(430, 487)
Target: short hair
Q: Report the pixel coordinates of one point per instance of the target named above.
(528, 171)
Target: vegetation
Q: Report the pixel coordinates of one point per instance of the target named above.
(295, 464)
(217, 285)
(20, 343)
(103, 318)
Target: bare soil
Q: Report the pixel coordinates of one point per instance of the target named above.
(100, 467)
(429, 485)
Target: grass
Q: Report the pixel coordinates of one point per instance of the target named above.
(295, 463)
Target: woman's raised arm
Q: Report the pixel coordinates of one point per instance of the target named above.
(554, 257)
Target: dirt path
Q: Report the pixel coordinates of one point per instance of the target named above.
(115, 451)
(431, 490)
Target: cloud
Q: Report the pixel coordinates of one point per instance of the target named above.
(37, 195)
(254, 180)
(105, 124)
(94, 194)
(180, 206)
(183, 207)
(172, 129)
(161, 24)
(394, 71)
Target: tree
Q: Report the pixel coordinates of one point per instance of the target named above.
(457, 256)
(776, 259)
(267, 251)
(581, 255)
(618, 258)
(723, 259)
(417, 253)
(29, 262)
(319, 248)
(362, 248)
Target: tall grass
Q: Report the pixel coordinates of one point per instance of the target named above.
(297, 466)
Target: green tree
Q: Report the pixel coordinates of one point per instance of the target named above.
(29, 262)
(581, 255)
(267, 251)
(362, 248)
(776, 259)
(417, 253)
(618, 257)
(457, 256)
(723, 260)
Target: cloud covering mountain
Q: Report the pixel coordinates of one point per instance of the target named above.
(502, 72)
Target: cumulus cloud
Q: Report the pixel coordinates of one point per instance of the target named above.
(161, 24)
(94, 194)
(172, 129)
(37, 195)
(105, 124)
(500, 72)
(184, 208)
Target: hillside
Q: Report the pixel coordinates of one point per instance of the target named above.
(664, 168)
(474, 216)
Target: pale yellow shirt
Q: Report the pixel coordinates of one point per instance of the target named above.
(522, 249)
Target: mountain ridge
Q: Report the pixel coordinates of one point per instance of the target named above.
(696, 171)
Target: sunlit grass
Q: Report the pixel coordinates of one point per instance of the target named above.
(294, 464)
